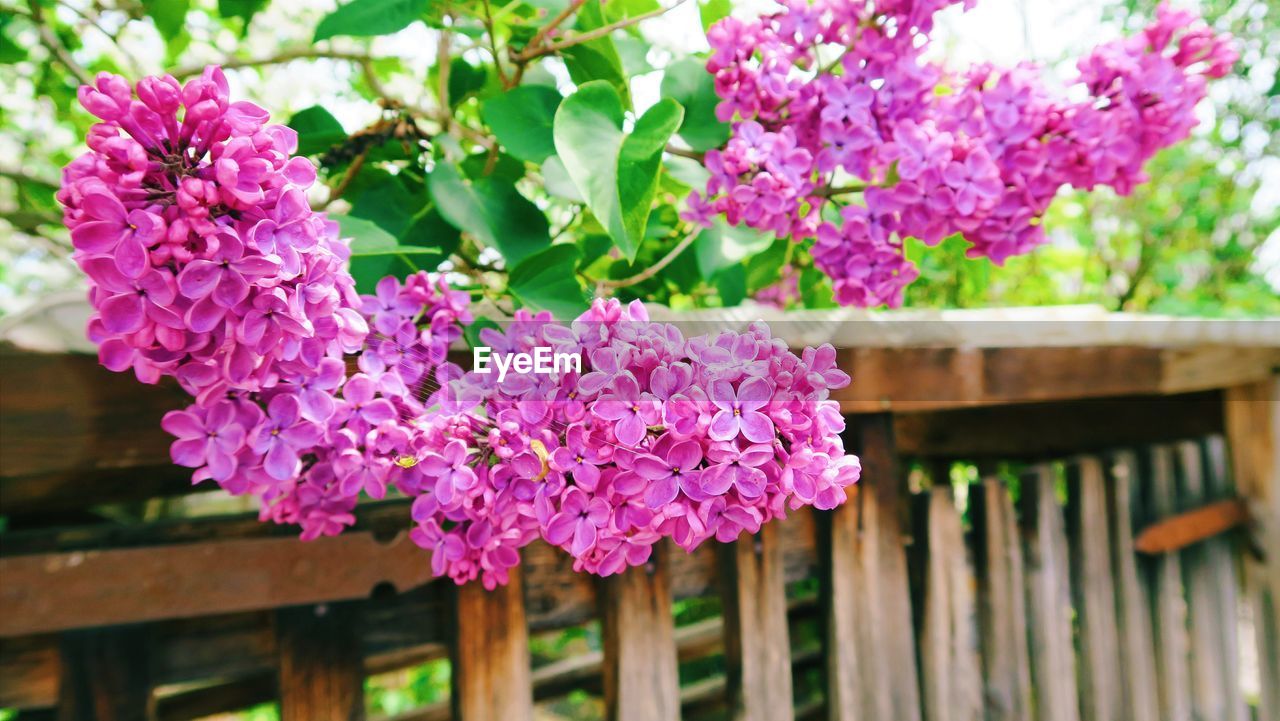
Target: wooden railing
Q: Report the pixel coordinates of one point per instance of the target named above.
(1017, 592)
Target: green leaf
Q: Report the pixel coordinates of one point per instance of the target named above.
(472, 332)
(731, 283)
(522, 118)
(390, 204)
(688, 82)
(375, 253)
(712, 12)
(723, 245)
(464, 79)
(366, 18)
(596, 59)
(491, 210)
(170, 16)
(617, 173)
(244, 9)
(317, 130)
(546, 281)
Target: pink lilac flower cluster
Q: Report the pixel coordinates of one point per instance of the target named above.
(656, 436)
(310, 447)
(205, 260)
(834, 97)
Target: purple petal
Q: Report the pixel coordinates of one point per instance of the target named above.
(724, 426)
(757, 427)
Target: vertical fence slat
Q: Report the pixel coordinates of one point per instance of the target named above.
(321, 663)
(1209, 621)
(1053, 659)
(641, 679)
(1094, 592)
(1218, 485)
(491, 674)
(1163, 582)
(1253, 427)
(892, 680)
(106, 675)
(1132, 612)
(1002, 614)
(843, 610)
(756, 640)
(951, 677)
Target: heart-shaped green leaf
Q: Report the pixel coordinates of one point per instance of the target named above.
(521, 119)
(616, 172)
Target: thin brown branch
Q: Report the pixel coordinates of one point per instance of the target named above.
(532, 52)
(653, 270)
(555, 22)
(345, 183)
(686, 153)
(829, 191)
(284, 56)
(493, 46)
(59, 51)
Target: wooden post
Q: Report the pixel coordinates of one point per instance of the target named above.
(641, 679)
(1094, 591)
(1213, 674)
(1253, 437)
(757, 644)
(951, 677)
(843, 606)
(1133, 614)
(106, 675)
(1002, 609)
(1162, 579)
(1048, 578)
(321, 662)
(886, 634)
(491, 669)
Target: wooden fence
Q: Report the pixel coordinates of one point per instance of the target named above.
(1086, 533)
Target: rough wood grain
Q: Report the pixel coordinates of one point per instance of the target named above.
(885, 624)
(491, 673)
(321, 668)
(1207, 571)
(950, 672)
(1253, 436)
(756, 640)
(106, 675)
(1101, 696)
(1162, 581)
(1132, 612)
(843, 608)
(1002, 615)
(1048, 579)
(641, 681)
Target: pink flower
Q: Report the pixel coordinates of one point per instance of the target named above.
(206, 438)
(578, 522)
(282, 436)
(740, 411)
(671, 466)
(632, 410)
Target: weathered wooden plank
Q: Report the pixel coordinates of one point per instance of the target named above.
(1162, 581)
(106, 675)
(756, 640)
(1047, 430)
(950, 672)
(641, 680)
(1218, 484)
(1211, 608)
(1048, 579)
(885, 622)
(1101, 696)
(1253, 428)
(1132, 612)
(1002, 615)
(843, 608)
(491, 674)
(321, 667)
(75, 589)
